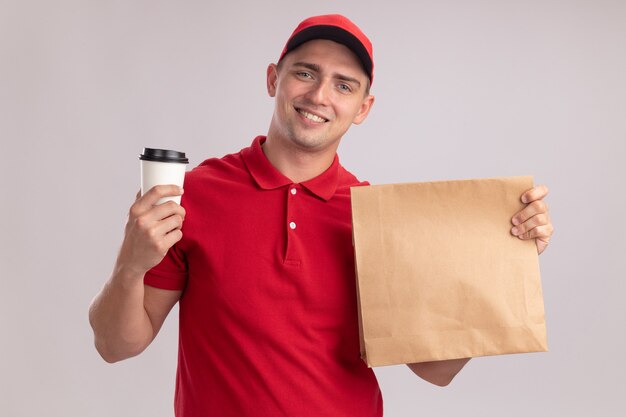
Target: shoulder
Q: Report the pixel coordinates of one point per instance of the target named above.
(215, 169)
(213, 177)
(348, 179)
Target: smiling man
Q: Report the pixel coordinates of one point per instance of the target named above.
(321, 88)
(259, 254)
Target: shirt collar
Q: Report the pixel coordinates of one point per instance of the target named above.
(268, 177)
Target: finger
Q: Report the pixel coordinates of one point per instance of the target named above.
(162, 190)
(169, 224)
(536, 193)
(157, 192)
(165, 210)
(154, 232)
(164, 243)
(542, 244)
(537, 220)
(153, 195)
(172, 237)
(541, 232)
(532, 209)
(147, 219)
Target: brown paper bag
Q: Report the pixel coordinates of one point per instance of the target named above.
(440, 276)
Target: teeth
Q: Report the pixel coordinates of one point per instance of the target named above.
(312, 117)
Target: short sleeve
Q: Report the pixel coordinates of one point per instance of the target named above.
(171, 273)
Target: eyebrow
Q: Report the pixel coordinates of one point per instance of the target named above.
(317, 68)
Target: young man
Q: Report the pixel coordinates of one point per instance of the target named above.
(260, 258)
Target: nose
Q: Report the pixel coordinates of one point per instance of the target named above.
(319, 92)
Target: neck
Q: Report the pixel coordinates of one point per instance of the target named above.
(296, 164)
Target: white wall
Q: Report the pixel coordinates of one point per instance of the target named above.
(464, 89)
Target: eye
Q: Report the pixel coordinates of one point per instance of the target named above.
(344, 88)
(304, 74)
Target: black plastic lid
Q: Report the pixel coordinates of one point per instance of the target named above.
(163, 155)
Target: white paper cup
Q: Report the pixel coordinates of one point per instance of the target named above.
(162, 166)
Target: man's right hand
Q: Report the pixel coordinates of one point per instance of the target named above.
(127, 314)
(151, 230)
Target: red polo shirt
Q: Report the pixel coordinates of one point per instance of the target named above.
(268, 316)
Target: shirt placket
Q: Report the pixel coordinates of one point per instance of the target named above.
(292, 257)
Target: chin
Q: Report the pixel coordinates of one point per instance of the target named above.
(307, 141)
(307, 145)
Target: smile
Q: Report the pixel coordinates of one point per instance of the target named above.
(312, 117)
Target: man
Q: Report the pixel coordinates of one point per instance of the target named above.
(259, 255)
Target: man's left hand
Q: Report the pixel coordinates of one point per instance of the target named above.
(533, 221)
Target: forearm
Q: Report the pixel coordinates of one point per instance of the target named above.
(438, 372)
(121, 325)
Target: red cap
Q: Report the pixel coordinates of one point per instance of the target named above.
(336, 28)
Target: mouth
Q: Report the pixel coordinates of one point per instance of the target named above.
(310, 116)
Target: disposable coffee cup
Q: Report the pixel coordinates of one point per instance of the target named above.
(162, 166)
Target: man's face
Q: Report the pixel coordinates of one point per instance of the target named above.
(320, 90)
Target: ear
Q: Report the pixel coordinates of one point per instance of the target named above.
(272, 79)
(364, 110)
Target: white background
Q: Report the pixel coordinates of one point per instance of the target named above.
(464, 89)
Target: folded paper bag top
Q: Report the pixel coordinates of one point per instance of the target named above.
(439, 275)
